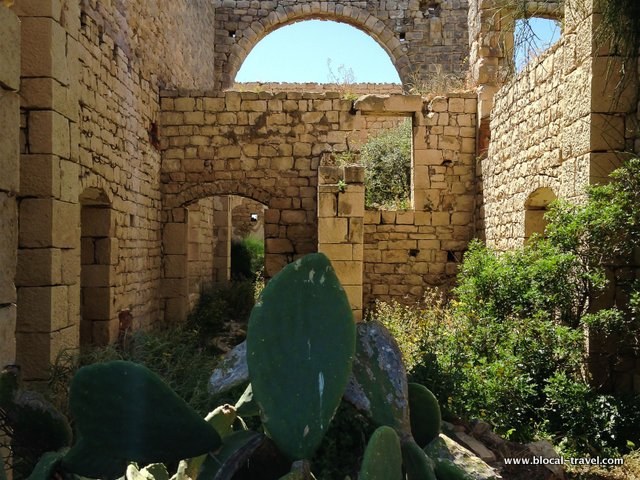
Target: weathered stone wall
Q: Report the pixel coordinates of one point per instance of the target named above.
(202, 244)
(89, 103)
(118, 122)
(268, 146)
(557, 125)
(9, 179)
(419, 36)
(262, 146)
(406, 252)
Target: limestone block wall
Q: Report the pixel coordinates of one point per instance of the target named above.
(89, 112)
(10, 178)
(348, 88)
(419, 36)
(119, 113)
(555, 126)
(263, 146)
(202, 244)
(406, 252)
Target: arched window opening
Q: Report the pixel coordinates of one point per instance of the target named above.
(535, 208)
(318, 51)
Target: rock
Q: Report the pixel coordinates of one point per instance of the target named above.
(482, 431)
(231, 372)
(475, 446)
(544, 449)
(446, 448)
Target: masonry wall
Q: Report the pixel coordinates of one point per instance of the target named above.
(407, 252)
(202, 244)
(10, 178)
(345, 88)
(243, 226)
(89, 134)
(268, 147)
(557, 125)
(419, 36)
(540, 138)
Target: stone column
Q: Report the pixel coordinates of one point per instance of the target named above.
(222, 230)
(48, 271)
(175, 282)
(341, 227)
(9, 179)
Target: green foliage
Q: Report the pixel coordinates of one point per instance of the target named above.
(510, 348)
(247, 258)
(313, 331)
(387, 161)
(221, 303)
(176, 354)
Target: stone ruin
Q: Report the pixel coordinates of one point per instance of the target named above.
(126, 150)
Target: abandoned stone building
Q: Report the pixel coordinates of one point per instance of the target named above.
(126, 151)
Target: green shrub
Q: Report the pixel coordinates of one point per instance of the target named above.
(510, 346)
(387, 161)
(220, 303)
(247, 258)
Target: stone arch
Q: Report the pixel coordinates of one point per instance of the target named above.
(282, 16)
(535, 207)
(219, 188)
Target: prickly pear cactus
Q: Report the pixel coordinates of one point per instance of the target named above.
(382, 458)
(425, 414)
(123, 412)
(378, 385)
(300, 347)
(416, 462)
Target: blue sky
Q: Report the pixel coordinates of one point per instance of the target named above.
(299, 53)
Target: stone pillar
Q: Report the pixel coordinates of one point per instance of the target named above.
(341, 227)
(175, 282)
(9, 179)
(222, 230)
(48, 269)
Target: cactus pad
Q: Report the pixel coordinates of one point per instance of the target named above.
(416, 462)
(123, 412)
(378, 385)
(300, 347)
(425, 414)
(382, 458)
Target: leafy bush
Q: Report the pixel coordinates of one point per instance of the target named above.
(220, 303)
(387, 161)
(247, 258)
(510, 346)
